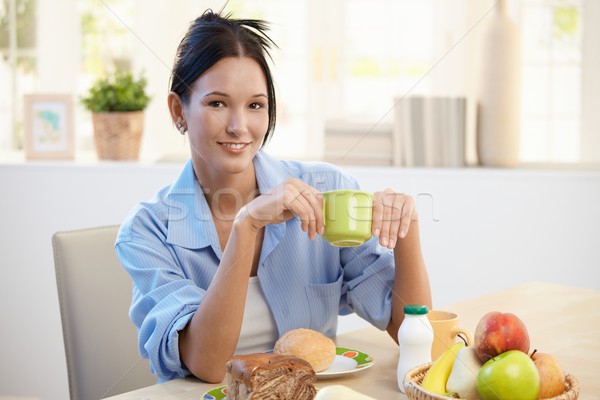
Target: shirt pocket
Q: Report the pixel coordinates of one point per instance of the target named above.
(324, 302)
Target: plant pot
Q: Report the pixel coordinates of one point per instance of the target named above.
(118, 135)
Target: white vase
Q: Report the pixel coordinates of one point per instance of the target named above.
(499, 94)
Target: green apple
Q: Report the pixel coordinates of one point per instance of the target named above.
(511, 375)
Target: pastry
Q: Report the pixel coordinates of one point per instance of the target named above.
(262, 376)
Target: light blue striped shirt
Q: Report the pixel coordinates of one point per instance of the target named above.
(170, 248)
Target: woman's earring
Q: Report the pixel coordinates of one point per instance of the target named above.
(181, 128)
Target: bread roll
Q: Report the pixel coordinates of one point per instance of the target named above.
(262, 376)
(309, 345)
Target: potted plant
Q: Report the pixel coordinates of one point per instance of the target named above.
(117, 103)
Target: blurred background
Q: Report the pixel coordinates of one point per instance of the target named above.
(340, 64)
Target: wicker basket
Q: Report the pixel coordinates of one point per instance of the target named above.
(414, 391)
(118, 135)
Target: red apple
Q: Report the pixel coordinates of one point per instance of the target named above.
(499, 332)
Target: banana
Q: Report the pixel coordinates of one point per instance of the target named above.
(437, 375)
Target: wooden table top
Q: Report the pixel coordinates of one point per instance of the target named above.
(563, 321)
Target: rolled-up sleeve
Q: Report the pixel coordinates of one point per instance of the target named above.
(163, 300)
(368, 281)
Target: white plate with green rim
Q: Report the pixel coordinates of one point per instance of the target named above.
(218, 393)
(347, 361)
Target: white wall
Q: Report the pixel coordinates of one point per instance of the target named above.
(36, 201)
(494, 229)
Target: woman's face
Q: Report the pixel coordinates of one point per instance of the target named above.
(227, 115)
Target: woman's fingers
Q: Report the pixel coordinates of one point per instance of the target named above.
(315, 214)
(408, 209)
(296, 203)
(385, 239)
(377, 215)
(306, 203)
(397, 204)
(392, 214)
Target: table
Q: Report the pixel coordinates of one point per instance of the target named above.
(563, 321)
(18, 398)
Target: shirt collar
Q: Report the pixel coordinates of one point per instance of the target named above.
(270, 172)
(190, 220)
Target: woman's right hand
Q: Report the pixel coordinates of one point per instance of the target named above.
(289, 199)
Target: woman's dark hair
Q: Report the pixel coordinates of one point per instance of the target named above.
(212, 37)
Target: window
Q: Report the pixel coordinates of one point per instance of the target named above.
(388, 49)
(552, 43)
(106, 45)
(17, 69)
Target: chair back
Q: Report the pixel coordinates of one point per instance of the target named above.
(95, 294)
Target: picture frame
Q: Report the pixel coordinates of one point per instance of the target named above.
(49, 126)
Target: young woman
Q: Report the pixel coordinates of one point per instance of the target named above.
(229, 257)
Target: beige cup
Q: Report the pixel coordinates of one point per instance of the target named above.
(445, 331)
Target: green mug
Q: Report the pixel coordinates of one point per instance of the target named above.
(347, 216)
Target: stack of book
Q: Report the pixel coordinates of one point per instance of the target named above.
(429, 131)
(359, 143)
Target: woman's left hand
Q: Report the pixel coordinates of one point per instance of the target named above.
(392, 215)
